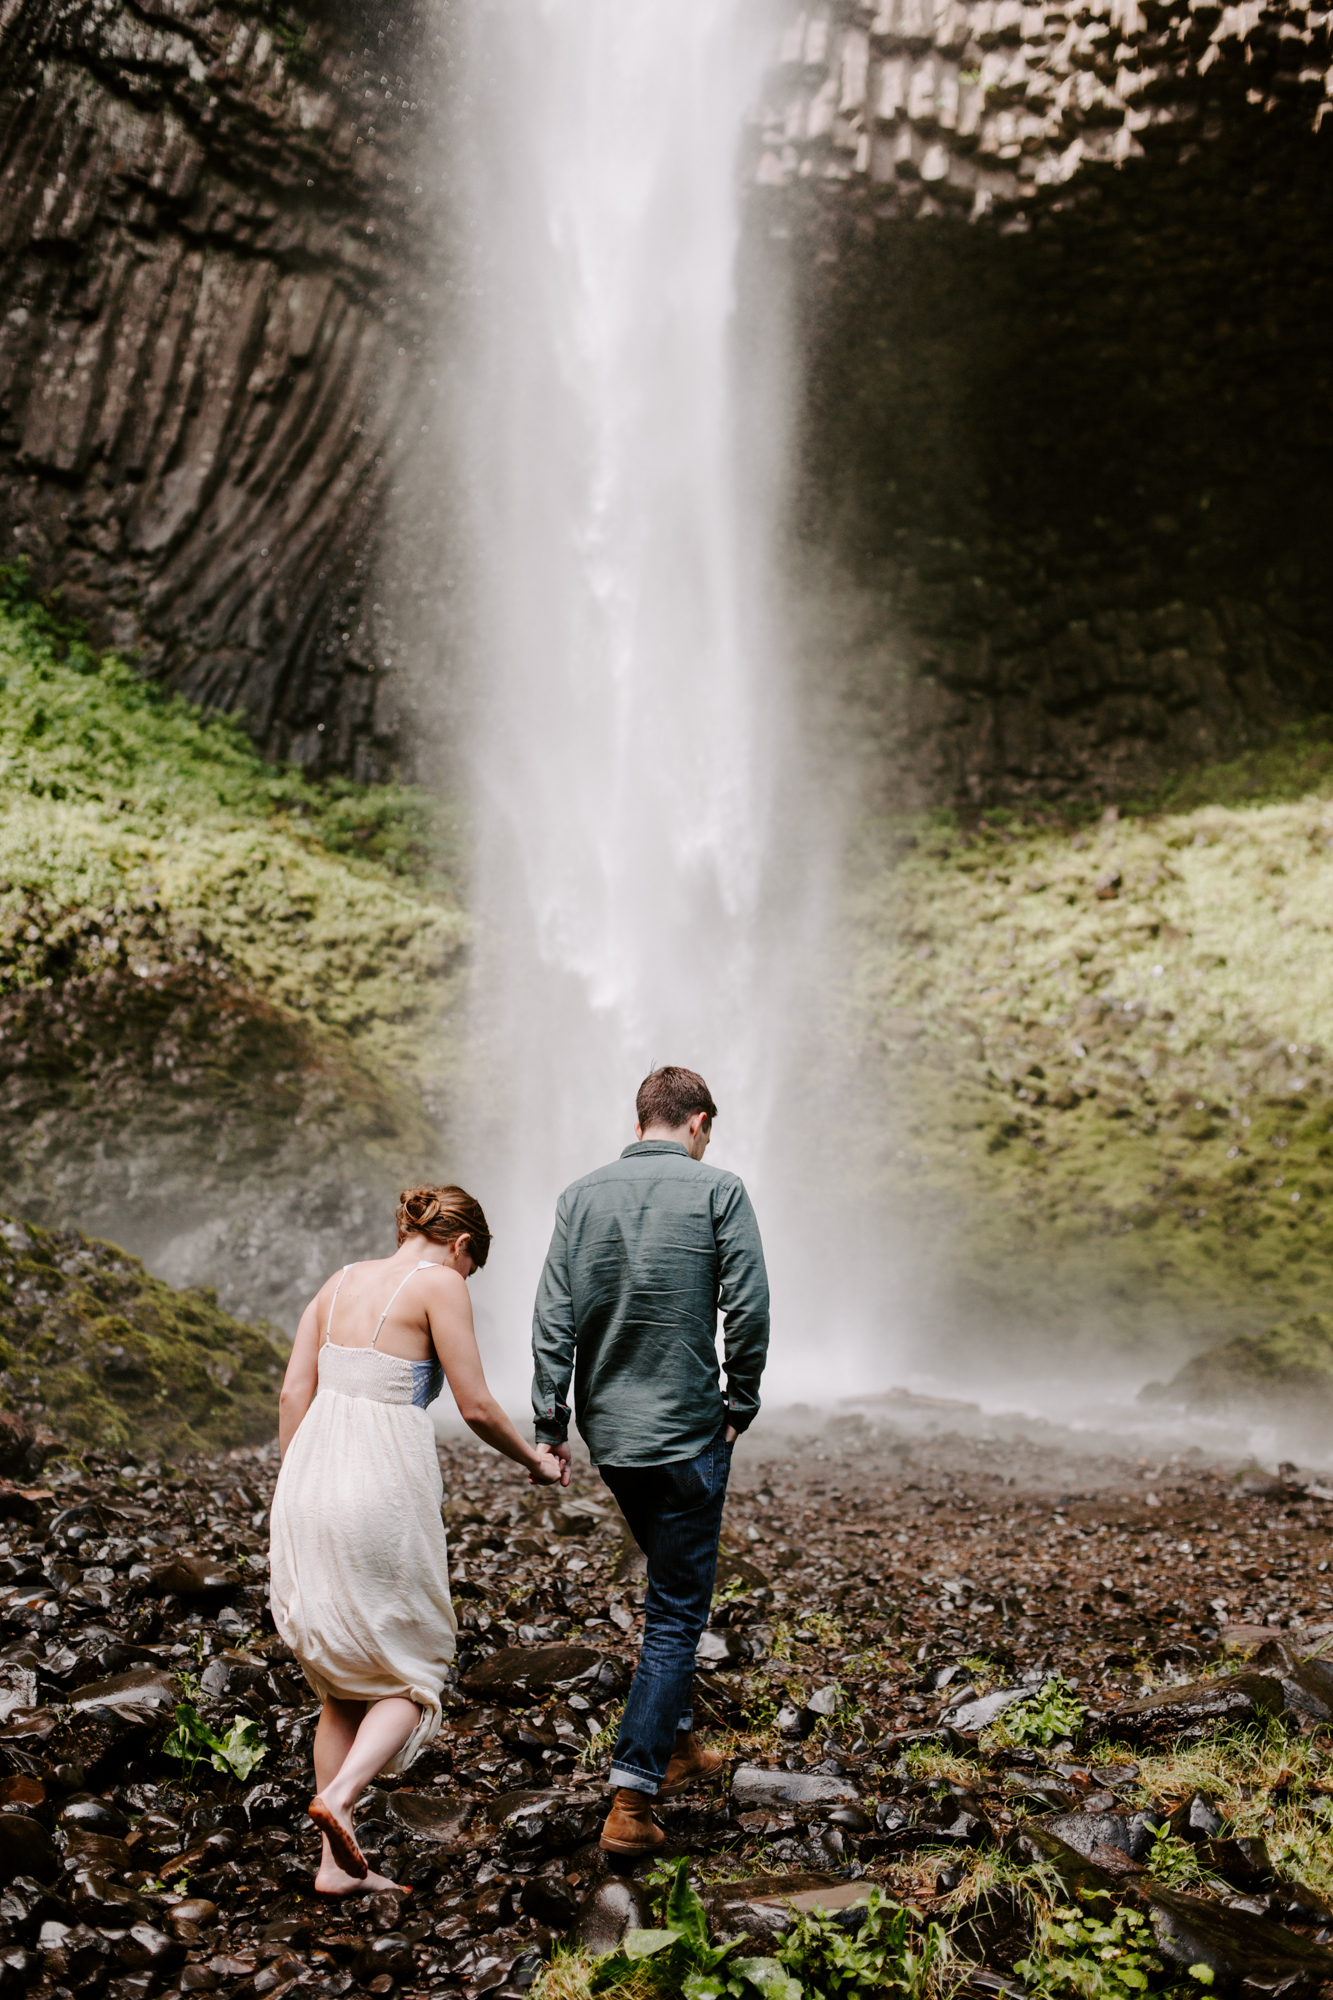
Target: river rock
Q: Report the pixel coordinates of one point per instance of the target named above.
(608, 1911)
(1196, 1709)
(1243, 1862)
(753, 1786)
(137, 1696)
(969, 1718)
(721, 1649)
(443, 1821)
(1246, 1954)
(520, 1673)
(195, 1579)
(1307, 1685)
(1196, 1818)
(26, 1848)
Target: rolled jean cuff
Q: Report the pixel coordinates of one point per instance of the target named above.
(626, 1780)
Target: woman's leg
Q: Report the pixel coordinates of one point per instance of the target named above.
(383, 1729)
(334, 1737)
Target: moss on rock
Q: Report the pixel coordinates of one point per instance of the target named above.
(110, 1357)
(1291, 1361)
(1103, 1042)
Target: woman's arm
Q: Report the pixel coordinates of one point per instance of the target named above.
(449, 1313)
(300, 1381)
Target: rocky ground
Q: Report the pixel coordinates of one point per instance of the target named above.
(964, 1667)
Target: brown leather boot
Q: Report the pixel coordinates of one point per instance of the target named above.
(630, 1827)
(690, 1764)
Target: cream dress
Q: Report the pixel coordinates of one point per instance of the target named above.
(358, 1578)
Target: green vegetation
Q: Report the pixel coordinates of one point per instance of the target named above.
(1086, 1959)
(817, 1959)
(1110, 1046)
(1043, 1718)
(236, 1754)
(139, 836)
(115, 1358)
(1291, 1361)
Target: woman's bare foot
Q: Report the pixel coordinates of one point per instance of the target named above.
(342, 1841)
(330, 1880)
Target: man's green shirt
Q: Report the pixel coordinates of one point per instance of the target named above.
(645, 1253)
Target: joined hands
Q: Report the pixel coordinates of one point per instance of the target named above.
(552, 1467)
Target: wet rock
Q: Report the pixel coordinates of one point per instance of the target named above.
(195, 1579)
(827, 1701)
(1196, 1818)
(549, 1898)
(485, 1911)
(141, 1695)
(1308, 1687)
(612, 1908)
(99, 1900)
(96, 1850)
(196, 1911)
(18, 1688)
(544, 1822)
(795, 1722)
(1082, 1879)
(389, 1953)
(995, 1930)
(727, 1648)
(26, 1848)
(1086, 1832)
(93, 1815)
(752, 1786)
(1247, 1954)
(1243, 1862)
(969, 1718)
(442, 1821)
(145, 1949)
(1196, 1709)
(521, 1673)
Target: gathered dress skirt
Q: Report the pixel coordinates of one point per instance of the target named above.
(358, 1577)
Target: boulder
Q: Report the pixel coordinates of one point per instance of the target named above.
(1196, 1709)
(520, 1673)
(607, 1912)
(1246, 1954)
(752, 1786)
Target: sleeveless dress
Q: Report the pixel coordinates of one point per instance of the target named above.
(358, 1576)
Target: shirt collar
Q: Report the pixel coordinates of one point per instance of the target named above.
(655, 1146)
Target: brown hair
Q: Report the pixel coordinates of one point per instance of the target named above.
(441, 1215)
(671, 1096)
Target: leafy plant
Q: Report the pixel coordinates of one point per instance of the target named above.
(1172, 1860)
(683, 1953)
(1081, 1958)
(879, 1958)
(1046, 1717)
(236, 1754)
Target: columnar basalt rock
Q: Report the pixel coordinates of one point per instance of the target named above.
(1067, 467)
(209, 325)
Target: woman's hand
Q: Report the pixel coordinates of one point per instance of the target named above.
(550, 1469)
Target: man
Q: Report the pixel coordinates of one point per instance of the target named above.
(645, 1251)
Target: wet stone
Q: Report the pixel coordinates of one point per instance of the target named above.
(194, 1579)
(969, 1718)
(612, 1908)
(1243, 1862)
(752, 1786)
(1196, 1818)
(444, 1822)
(519, 1673)
(26, 1848)
(1197, 1709)
(1247, 1954)
(139, 1695)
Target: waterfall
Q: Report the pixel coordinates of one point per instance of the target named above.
(628, 735)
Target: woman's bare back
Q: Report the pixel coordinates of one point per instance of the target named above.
(385, 1302)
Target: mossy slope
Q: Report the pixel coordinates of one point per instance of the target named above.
(109, 1357)
(1106, 1048)
(1288, 1365)
(223, 990)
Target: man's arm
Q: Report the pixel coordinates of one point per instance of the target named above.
(553, 1339)
(743, 1298)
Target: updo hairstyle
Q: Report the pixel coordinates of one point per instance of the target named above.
(441, 1215)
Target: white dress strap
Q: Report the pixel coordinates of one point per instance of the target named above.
(328, 1324)
(393, 1295)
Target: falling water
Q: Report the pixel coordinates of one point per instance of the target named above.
(628, 734)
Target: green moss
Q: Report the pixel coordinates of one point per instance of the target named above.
(141, 837)
(1105, 1047)
(1293, 1360)
(109, 1356)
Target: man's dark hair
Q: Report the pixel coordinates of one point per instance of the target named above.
(671, 1096)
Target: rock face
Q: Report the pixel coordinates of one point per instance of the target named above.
(1063, 468)
(207, 347)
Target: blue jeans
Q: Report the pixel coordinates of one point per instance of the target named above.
(675, 1515)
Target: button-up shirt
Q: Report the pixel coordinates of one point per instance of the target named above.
(645, 1253)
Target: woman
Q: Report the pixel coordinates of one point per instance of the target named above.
(359, 1582)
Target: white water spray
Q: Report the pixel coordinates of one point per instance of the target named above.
(629, 739)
